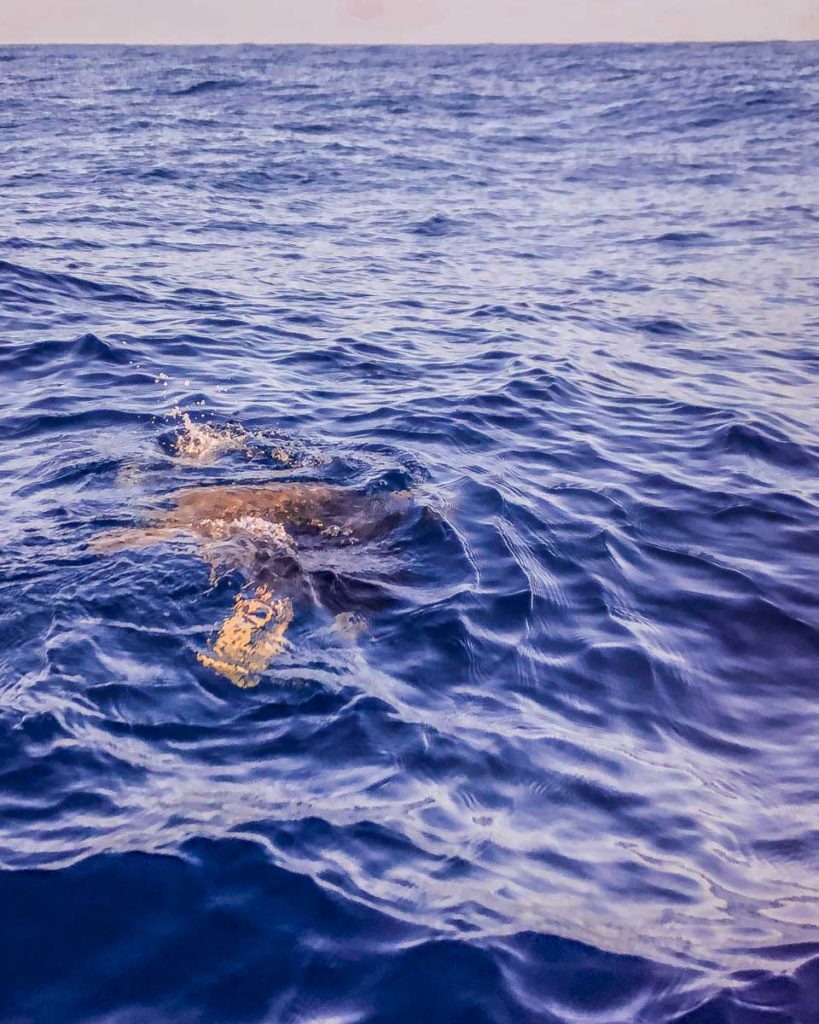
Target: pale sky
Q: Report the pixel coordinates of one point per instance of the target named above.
(403, 21)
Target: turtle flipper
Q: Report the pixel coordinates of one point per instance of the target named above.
(249, 638)
(134, 537)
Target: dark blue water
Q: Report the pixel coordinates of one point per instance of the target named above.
(567, 299)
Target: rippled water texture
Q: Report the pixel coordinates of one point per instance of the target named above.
(539, 746)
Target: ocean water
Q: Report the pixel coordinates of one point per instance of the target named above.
(560, 303)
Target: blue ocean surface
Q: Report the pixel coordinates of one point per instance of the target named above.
(542, 745)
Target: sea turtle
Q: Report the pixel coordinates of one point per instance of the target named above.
(281, 537)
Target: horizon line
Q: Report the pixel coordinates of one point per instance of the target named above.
(426, 45)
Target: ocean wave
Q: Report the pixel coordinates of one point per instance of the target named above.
(21, 283)
(435, 226)
(208, 85)
(51, 356)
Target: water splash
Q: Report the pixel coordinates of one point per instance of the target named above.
(204, 442)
